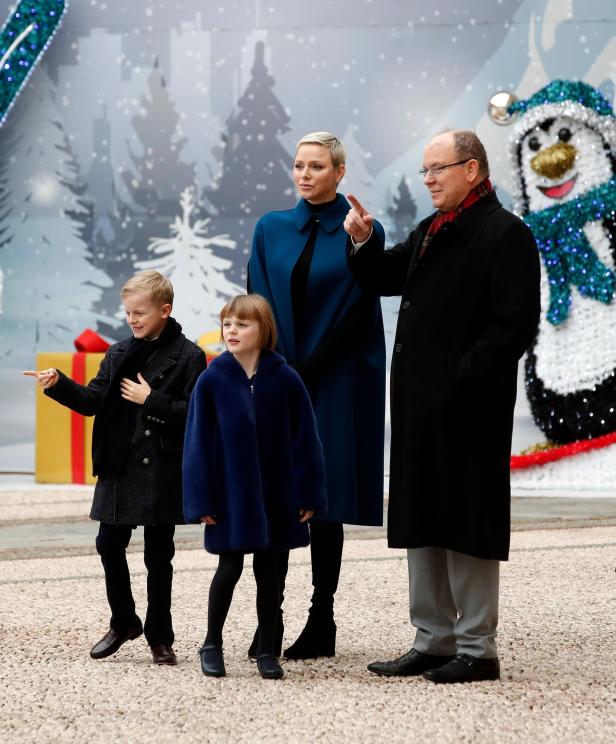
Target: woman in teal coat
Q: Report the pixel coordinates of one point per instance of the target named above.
(332, 333)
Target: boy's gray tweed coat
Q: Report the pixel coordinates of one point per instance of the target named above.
(148, 490)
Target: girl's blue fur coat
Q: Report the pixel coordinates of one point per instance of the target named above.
(252, 459)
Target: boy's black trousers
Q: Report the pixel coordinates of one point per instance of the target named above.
(111, 544)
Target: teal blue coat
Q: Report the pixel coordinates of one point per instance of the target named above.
(348, 394)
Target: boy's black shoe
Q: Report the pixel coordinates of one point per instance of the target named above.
(112, 640)
(268, 667)
(465, 668)
(164, 655)
(212, 661)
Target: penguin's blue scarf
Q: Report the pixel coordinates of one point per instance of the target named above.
(567, 255)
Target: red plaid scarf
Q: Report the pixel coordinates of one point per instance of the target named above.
(482, 189)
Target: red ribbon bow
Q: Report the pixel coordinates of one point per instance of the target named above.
(88, 342)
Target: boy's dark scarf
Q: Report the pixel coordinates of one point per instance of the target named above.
(114, 424)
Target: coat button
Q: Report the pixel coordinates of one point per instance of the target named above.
(398, 347)
(148, 433)
(405, 305)
(161, 377)
(146, 460)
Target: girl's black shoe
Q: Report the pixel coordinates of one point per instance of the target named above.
(212, 661)
(268, 667)
(254, 646)
(318, 638)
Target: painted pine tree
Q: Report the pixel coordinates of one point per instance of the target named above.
(8, 141)
(191, 259)
(9, 137)
(75, 202)
(158, 174)
(111, 249)
(255, 175)
(50, 287)
(401, 217)
(403, 212)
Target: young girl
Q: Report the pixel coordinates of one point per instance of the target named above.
(253, 470)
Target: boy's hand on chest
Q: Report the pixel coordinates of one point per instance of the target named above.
(135, 392)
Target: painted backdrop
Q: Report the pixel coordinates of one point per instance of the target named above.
(155, 134)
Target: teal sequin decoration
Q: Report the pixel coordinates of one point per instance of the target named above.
(568, 256)
(25, 36)
(561, 91)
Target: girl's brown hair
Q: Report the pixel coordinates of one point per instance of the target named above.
(253, 307)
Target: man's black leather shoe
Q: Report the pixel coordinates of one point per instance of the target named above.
(112, 640)
(411, 664)
(212, 661)
(465, 668)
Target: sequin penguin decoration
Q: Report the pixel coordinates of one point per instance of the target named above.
(563, 148)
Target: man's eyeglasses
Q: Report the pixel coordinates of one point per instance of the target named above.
(438, 169)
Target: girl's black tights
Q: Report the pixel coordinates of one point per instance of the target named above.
(230, 566)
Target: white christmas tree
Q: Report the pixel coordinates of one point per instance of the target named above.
(189, 258)
(357, 180)
(49, 285)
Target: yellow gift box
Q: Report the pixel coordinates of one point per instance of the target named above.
(63, 437)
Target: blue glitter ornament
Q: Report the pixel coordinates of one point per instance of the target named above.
(25, 36)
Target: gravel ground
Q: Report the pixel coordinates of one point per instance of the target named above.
(557, 647)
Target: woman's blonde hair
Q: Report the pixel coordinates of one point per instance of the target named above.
(253, 307)
(155, 284)
(327, 139)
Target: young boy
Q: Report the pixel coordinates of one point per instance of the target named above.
(140, 400)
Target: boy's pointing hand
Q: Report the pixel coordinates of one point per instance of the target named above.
(135, 392)
(46, 379)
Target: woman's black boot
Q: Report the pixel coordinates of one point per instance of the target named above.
(318, 638)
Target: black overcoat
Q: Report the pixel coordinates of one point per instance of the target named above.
(252, 456)
(148, 490)
(469, 309)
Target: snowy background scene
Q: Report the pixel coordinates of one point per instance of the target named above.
(155, 134)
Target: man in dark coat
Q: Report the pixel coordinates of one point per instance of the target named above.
(469, 280)
(140, 402)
